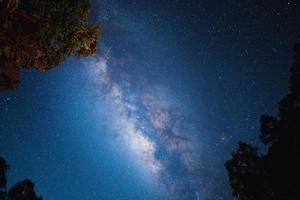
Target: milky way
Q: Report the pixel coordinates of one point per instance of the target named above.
(152, 132)
(158, 111)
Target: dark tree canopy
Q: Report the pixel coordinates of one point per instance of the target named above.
(3, 170)
(41, 34)
(276, 174)
(23, 190)
(3, 180)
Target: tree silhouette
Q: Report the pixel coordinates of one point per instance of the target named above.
(276, 174)
(23, 190)
(41, 35)
(3, 180)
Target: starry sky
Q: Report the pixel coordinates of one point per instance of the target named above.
(156, 113)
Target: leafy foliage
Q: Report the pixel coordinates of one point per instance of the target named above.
(41, 34)
(275, 175)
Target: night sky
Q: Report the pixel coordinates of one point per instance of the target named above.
(156, 113)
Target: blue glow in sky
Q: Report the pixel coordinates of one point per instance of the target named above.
(157, 112)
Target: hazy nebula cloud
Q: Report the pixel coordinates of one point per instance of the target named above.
(124, 123)
(151, 132)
